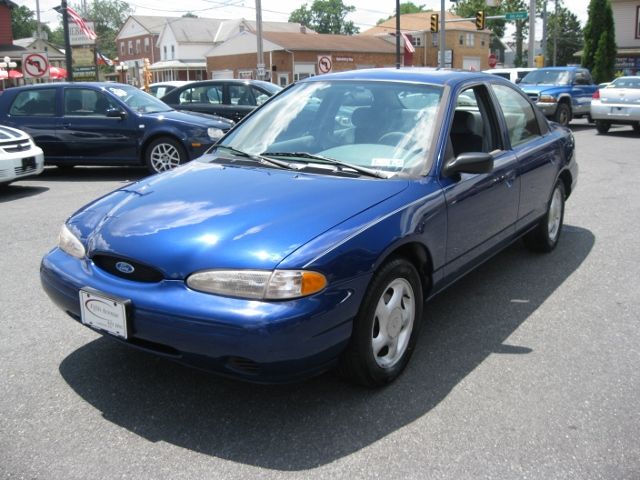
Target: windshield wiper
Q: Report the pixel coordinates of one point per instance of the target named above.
(344, 166)
(257, 158)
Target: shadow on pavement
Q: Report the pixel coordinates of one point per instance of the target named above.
(11, 192)
(306, 425)
(92, 174)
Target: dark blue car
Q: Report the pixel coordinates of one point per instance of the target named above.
(312, 234)
(108, 124)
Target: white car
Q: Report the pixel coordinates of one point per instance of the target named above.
(617, 103)
(513, 74)
(19, 155)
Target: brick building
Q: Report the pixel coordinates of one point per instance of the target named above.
(467, 48)
(626, 16)
(292, 56)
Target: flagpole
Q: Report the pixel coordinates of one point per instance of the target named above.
(67, 41)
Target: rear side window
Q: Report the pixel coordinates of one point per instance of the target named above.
(518, 114)
(37, 103)
(202, 94)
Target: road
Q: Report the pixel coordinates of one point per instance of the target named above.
(526, 368)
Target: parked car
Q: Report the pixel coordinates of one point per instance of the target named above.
(562, 93)
(515, 75)
(160, 89)
(19, 156)
(617, 104)
(107, 124)
(303, 241)
(230, 98)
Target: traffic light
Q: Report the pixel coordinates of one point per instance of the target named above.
(435, 22)
(480, 20)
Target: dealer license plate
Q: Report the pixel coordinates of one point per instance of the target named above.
(104, 312)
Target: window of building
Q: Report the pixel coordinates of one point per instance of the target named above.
(173, 52)
(130, 47)
(461, 39)
(164, 52)
(121, 48)
(146, 44)
(138, 46)
(471, 40)
(416, 41)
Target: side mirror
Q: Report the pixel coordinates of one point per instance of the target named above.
(518, 80)
(469, 162)
(115, 113)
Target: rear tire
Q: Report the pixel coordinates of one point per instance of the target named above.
(544, 237)
(386, 327)
(164, 154)
(602, 126)
(636, 127)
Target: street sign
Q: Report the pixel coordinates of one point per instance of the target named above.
(325, 64)
(35, 65)
(521, 15)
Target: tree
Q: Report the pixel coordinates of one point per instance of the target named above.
(569, 36)
(599, 51)
(190, 15)
(406, 7)
(23, 22)
(325, 16)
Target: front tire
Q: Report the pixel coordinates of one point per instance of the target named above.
(563, 114)
(386, 327)
(164, 154)
(544, 237)
(602, 126)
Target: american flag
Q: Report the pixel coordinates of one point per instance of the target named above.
(77, 19)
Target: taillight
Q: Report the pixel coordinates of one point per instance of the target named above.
(596, 95)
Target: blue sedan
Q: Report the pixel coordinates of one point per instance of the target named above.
(311, 235)
(98, 123)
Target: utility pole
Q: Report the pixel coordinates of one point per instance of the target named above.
(38, 27)
(532, 31)
(555, 35)
(67, 41)
(260, 66)
(442, 35)
(543, 43)
(397, 33)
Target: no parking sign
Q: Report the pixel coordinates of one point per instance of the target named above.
(35, 65)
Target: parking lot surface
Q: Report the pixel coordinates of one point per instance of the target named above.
(526, 368)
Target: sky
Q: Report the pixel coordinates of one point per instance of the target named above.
(367, 12)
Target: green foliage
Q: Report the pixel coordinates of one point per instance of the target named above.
(569, 36)
(23, 22)
(325, 16)
(599, 41)
(190, 15)
(406, 7)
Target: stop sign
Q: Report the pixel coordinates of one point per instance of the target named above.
(493, 60)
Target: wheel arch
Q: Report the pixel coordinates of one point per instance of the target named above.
(418, 254)
(567, 180)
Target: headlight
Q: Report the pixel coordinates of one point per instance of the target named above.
(258, 284)
(214, 133)
(547, 99)
(69, 243)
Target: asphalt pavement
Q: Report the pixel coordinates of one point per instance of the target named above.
(526, 368)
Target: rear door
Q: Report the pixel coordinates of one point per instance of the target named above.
(90, 136)
(203, 98)
(37, 112)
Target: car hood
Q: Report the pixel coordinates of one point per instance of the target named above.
(189, 118)
(541, 88)
(218, 216)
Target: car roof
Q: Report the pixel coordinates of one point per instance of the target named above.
(421, 75)
(97, 85)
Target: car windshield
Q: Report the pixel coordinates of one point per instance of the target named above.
(625, 82)
(385, 127)
(137, 100)
(547, 77)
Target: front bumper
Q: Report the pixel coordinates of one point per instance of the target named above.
(548, 108)
(12, 167)
(615, 112)
(251, 340)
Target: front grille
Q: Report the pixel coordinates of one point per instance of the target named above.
(140, 273)
(16, 146)
(25, 170)
(533, 96)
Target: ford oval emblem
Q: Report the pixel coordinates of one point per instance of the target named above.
(125, 267)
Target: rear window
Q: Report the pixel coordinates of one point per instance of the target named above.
(39, 103)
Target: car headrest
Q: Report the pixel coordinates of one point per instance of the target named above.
(463, 122)
(361, 116)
